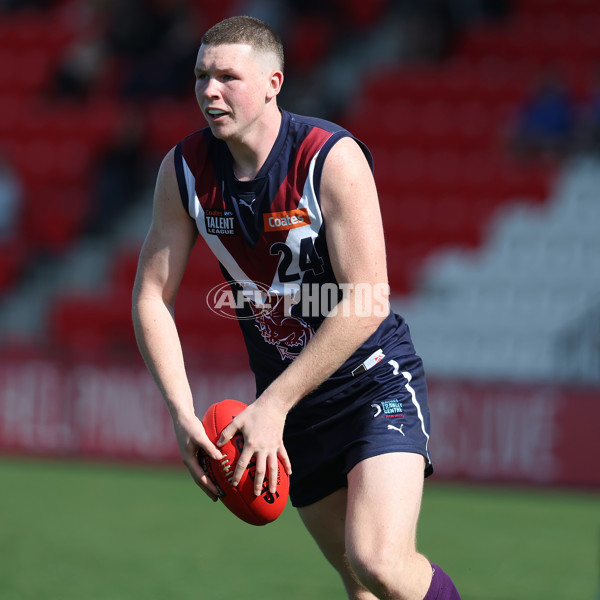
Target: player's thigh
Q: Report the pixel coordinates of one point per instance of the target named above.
(384, 500)
(325, 521)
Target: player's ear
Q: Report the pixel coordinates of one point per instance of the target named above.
(275, 83)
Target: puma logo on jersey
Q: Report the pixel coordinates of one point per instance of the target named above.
(290, 219)
(248, 204)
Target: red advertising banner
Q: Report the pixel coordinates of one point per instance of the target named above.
(108, 412)
(515, 433)
(534, 434)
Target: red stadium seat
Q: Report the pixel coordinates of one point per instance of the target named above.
(74, 323)
(168, 121)
(54, 216)
(94, 326)
(404, 260)
(124, 268)
(90, 124)
(484, 41)
(202, 269)
(308, 42)
(24, 71)
(571, 8)
(361, 14)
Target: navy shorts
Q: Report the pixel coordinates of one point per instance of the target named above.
(384, 411)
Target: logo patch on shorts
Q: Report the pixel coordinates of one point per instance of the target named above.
(391, 408)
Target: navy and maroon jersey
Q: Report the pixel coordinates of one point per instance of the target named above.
(268, 235)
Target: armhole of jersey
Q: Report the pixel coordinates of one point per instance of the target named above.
(183, 191)
(324, 151)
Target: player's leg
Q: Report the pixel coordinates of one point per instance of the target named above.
(325, 521)
(384, 500)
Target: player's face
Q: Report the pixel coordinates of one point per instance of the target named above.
(233, 85)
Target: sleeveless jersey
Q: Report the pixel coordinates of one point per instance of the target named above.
(268, 235)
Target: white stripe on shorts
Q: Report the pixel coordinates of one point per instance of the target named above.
(413, 396)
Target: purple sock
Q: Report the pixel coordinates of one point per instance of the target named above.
(441, 587)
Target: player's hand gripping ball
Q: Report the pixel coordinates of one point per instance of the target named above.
(240, 500)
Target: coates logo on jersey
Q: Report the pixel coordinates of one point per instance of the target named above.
(287, 219)
(240, 300)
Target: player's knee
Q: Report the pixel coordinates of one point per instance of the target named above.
(372, 568)
(379, 571)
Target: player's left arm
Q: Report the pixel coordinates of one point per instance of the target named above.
(355, 241)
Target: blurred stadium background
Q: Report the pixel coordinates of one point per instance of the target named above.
(484, 120)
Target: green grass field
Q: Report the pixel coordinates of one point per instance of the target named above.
(78, 531)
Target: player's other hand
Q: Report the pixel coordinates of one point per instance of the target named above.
(191, 438)
(261, 425)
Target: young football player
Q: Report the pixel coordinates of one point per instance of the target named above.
(289, 202)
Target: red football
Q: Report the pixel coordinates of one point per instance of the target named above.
(240, 500)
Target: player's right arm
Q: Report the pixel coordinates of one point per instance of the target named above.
(161, 266)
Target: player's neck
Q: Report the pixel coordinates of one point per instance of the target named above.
(250, 154)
